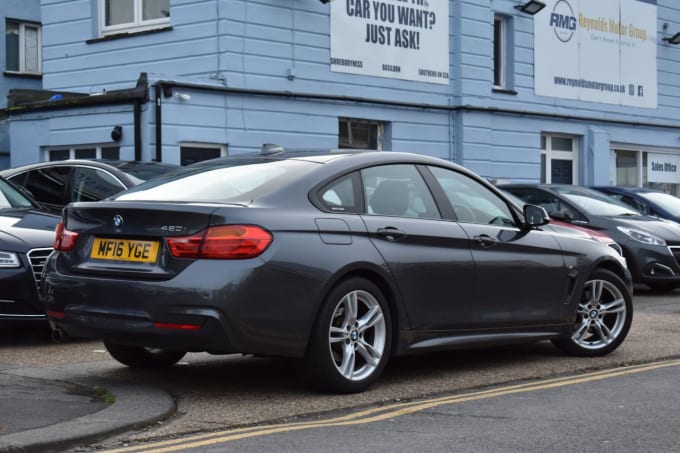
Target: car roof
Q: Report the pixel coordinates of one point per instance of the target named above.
(628, 189)
(128, 168)
(102, 163)
(326, 156)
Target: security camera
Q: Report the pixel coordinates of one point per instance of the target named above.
(183, 96)
(117, 133)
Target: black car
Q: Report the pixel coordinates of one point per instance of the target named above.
(651, 246)
(26, 238)
(341, 259)
(647, 201)
(55, 184)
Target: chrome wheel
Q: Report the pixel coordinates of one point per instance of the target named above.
(357, 335)
(601, 315)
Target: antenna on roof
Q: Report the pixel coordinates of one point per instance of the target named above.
(269, 149)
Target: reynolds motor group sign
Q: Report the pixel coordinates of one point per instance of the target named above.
(597, 50)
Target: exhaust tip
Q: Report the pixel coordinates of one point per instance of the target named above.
(58, 335)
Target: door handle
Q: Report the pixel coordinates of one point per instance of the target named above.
(391, 233)
(485, 240)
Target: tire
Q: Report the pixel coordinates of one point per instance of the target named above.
(351, 340)
(143, 358)
(603, 316)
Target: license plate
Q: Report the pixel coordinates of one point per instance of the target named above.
(124, 250)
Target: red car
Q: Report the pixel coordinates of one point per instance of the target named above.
(557, 225)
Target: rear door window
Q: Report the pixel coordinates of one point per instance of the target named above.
(398, 190)
(93, 184)
(48, 185)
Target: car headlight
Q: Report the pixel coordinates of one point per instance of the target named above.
(642, 236)
(9, 259)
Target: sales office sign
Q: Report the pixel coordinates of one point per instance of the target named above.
(664, 168)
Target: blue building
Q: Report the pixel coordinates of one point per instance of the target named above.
(20, 52)
(580, 92)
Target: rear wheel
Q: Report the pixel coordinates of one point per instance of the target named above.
(350, 342)
(143, 358)
(603, 316)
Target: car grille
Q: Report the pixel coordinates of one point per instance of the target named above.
(37, 258)
(675, 251)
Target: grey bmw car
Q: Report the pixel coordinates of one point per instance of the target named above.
(343, 259)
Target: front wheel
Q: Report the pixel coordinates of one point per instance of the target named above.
(350, 342)
(143, 358)
(603, 316)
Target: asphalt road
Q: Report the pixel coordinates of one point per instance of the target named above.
(630, 409)
(222, 392)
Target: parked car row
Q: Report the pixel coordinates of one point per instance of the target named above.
(342, 259)
(651, 245)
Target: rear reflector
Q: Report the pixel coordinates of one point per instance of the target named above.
(222, 242)
(64, 240)
(169, 325)
(56, 314)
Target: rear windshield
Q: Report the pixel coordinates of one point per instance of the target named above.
(665, 200)
(222, 184)
(143, 171)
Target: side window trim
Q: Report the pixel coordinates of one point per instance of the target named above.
(501, 201)
(359, 207)
(440, 198)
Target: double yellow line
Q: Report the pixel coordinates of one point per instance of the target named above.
(386, 412)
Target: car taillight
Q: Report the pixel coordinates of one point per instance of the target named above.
(64, 240)
(222, 242)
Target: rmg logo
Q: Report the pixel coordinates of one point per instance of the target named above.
(563, 21)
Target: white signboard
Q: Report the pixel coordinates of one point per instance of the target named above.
(663, 168)
(598, 51)
(400, 39)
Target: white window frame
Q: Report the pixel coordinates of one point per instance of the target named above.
(640, 153)
(551, 154)
(500, 47)
(136, 25)
(221, 147)
(22, 47)
(72, 151)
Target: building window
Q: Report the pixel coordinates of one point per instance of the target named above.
(190, 153)
(559, 159)
(361, 134)
(119, 16)
(83, 152)
(22, 47)
(499, 52)
(642, 168)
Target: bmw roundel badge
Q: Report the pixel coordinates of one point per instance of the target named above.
(117, 221)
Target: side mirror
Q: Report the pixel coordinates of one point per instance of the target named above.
(535, 216)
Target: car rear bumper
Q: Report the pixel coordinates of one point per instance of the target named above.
(210, 306)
